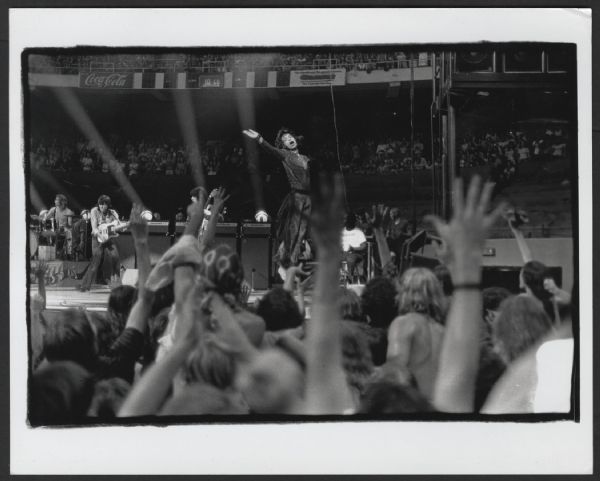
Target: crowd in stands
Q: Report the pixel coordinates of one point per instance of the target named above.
(362, 156)
(502, 152)
(386, 156)
(505, 151)
(209, 62)
(133, 158)
(185, 340)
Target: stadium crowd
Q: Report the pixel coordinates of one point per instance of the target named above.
(503, 152)
(210, 62)
(186, 342)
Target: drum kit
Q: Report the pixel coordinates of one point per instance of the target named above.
(45, 232)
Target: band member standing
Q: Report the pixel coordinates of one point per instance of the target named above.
(104, 254)
(293, 215)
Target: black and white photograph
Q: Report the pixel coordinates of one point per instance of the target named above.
(246, 236)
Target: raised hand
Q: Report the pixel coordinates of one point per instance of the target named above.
(327, 219)
(465, 234)
(137, 224)
(251, 133)
(245, 292)
(219, 200)
(379, 214)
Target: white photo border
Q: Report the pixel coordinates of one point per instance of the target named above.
(307, 448)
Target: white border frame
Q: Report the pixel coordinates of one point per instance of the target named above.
(402, 447)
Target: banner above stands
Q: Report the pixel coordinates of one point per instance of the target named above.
(106, 80)
(228, 80)
(317, 78)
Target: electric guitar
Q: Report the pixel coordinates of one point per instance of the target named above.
(109, 230)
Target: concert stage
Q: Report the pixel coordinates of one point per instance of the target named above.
(96, 299)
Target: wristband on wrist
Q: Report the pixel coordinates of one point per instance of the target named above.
(468, 286)
(260, 139)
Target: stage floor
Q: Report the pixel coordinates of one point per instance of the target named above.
(96, 299)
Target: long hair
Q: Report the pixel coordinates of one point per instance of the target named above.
(104, 199)
(421, 292)
(520, 324)
(285, 130)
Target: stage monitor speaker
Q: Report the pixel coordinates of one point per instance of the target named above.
(559, 58)
(523, 60)
(417, 260)
(126, 249)
(508, 277)
(475, 61)
(227, 233)
(255, 253)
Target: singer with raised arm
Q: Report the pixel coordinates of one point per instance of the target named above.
(293, 215)
(105, 226)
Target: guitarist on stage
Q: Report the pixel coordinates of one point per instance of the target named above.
(104, 251)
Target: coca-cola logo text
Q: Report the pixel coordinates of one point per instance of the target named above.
(103, 80)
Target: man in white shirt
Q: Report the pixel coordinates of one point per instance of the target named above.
(354, 244)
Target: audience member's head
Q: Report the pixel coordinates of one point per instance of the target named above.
(388, 398)
(421, 292)
(273, 382)
(350, 306)
(70, 337)
(108, 396)
(379, 302)
(222, 268)
(279, 310)
(356, 357)
(120, 301)
(208, 364)
(521, 323)
(60, 393)
(106, 328)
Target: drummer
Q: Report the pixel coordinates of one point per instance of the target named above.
(60, 213)
(62, 218)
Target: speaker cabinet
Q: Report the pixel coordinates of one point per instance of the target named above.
(508, 277)
(227, 233)
(126, 249)
(255, 253)
(476, 60)
(523, 60)
(559, 58)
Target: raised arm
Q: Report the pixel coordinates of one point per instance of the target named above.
(327, 391)
(196, 214)
(208, 237)
(149, 394)
(263, 143)
(521, 242)
(464, 237)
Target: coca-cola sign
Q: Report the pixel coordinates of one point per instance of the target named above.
(104, 80)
